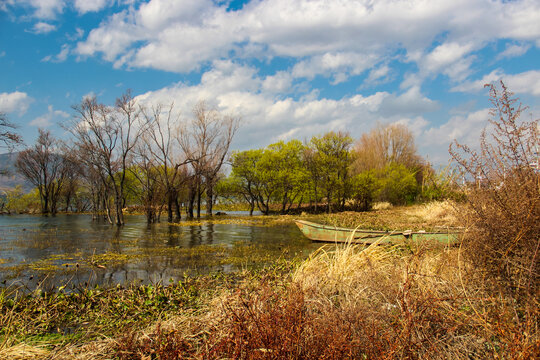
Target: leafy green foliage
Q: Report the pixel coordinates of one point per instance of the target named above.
(397, 184)
(19, 202)
(363, 189)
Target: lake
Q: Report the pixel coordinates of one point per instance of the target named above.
(73, 249)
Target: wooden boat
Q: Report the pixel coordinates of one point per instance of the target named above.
(325, 233)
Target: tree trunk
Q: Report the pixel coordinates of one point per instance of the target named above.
(170, 206)
(209, 198)
(191, 202)
(119, 212)
(329, 200)
(199, 203)
(176, 209)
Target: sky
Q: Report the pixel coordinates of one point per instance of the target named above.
(290, 69)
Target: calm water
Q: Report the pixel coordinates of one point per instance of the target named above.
(74, 249)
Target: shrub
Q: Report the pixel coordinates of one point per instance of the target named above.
(504, 200)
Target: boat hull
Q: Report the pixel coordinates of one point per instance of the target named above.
(332, 234)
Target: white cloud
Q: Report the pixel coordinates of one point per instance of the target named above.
(269, 116)
(45, 120)
(43, 28)
(84, 6)
(281, 82)
(379, 75)
(79, 33)
(43, 9)
(333, 39)
(514, 50)
(464, 128)
(60, 57)
(523, 83)
(15, 102)
(340, 65)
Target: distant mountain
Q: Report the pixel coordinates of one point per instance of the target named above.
(12, 178)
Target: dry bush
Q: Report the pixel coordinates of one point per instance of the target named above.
(275, 323)
(504, 201)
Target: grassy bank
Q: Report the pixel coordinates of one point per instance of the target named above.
(345, 302)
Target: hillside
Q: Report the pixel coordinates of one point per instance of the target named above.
(11, 178)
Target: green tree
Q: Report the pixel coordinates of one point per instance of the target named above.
(331, 160)
(363, 189)
(397, 184)
(286, 172)
(245, 177)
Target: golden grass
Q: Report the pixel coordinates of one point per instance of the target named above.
(431, 216)
(443, 212)
(383, 205)
(23, 351)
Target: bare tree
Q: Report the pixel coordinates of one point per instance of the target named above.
(208, 143)
(105, 138)
(159, 141)
(384, 145)
(45, 168)
(149, 189)
(9, 137)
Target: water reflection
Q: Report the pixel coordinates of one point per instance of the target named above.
(33, 248)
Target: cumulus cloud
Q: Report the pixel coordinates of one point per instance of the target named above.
(45, 120)
(269, 115)
(523, 83)
(43, 28)
(15, 102)
(84, 6)
(43, 9)
(340, 65)
(333, 39)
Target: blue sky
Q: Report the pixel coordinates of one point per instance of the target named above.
(290, 69)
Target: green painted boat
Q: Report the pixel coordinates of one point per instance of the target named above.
(333, 234)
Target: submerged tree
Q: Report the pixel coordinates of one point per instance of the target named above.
(105, 138)
(206, 142)
(46, 168)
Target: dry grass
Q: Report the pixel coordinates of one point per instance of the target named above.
(436, 212)
(349, 303)
(23, 351)
(431, 216)
(383, 205)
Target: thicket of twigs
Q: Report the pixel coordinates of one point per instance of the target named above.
(504, 201)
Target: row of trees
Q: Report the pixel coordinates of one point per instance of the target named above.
(329, 172)
(129, 150)
(132, 154)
